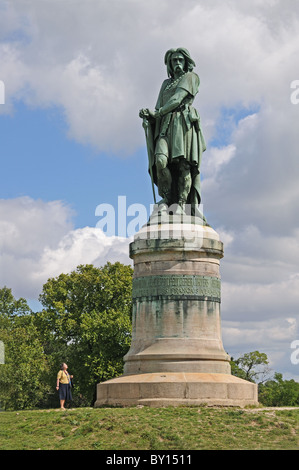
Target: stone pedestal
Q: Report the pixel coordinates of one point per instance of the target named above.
(176, 356)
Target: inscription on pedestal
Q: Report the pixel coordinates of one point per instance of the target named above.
(177, 285)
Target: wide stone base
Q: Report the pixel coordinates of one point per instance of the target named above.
(177, 389)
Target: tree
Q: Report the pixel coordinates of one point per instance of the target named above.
(86, 322)
(22, 383)
(11, 307)
(251, 366)
(279, 392)
(272, 392)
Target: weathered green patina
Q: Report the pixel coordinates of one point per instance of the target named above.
(176, 355)
(178, 286)
(175, 142)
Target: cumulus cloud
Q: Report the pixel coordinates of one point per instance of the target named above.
(38, 241)
(87, 245)
(267, 333)
(273, 337)
(64, 54)
(256, 301)
(259, 185)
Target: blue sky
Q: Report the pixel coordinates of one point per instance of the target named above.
(71, 139)
(40, 161)
(227, 122)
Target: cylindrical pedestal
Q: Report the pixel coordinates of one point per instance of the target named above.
(176, 301)
(176, 355)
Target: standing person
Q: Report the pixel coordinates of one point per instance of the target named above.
(64, 385)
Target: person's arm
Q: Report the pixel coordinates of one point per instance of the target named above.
(57, 382)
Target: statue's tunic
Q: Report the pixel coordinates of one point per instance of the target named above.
(181, 128)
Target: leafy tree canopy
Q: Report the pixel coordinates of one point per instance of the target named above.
(22, 376)
(86, 322)
(252, 366)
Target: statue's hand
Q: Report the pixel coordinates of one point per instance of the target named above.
(147, 114)
(143, 113)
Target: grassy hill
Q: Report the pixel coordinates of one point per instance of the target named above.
(142, 428)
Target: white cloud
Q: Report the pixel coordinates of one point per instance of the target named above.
(257, 301)
(27, 225)
(38, 241)
(66, 55)
(217, 158)
(87, 245)
(273, 337)
(259, 185)
(267, 333)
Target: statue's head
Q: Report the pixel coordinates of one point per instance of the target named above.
(179, 57)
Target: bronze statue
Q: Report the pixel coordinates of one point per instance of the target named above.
(174, 138)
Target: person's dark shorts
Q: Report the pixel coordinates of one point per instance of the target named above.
(65, 392)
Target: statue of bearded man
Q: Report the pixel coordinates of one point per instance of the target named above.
(174, 138)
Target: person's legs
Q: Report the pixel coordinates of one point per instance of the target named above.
(62, 395)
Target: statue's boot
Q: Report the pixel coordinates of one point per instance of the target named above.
(164, 187)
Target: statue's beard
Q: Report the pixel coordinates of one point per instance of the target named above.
(178, 69)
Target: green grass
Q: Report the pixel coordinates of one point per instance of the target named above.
(146, 428)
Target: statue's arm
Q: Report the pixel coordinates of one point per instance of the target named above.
(173, 102)
(145, 113)
(170, 106)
